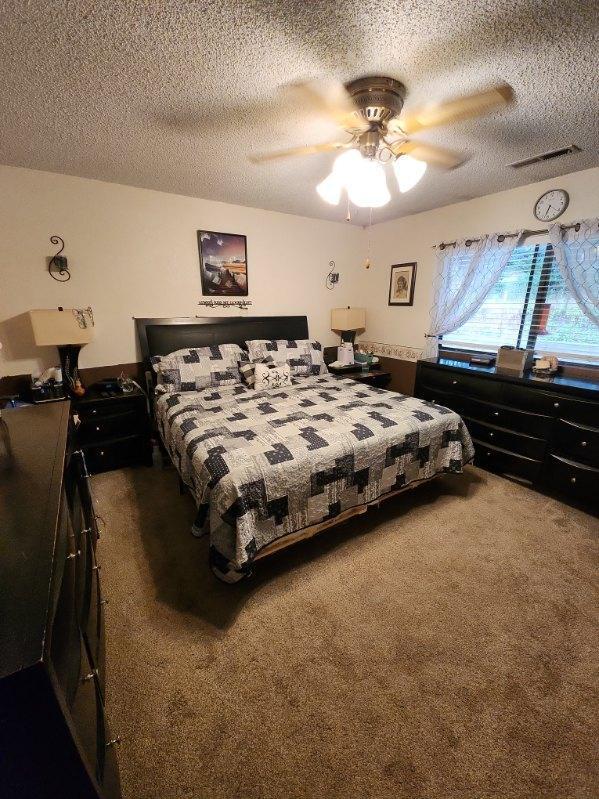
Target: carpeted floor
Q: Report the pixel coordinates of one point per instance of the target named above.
(442, 646)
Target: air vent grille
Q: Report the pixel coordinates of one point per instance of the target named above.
(536, 159)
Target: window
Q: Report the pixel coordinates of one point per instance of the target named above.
(530, 306)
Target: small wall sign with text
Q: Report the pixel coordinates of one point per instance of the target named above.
(401, 284)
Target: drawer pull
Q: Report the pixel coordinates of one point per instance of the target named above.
(93, 673)
(94, 410)
(101, 452)
(572, 480)
(113, 741)
(97, 428)
(556, 404)
(74, 555)
(583, 443)
(104, 601)
(491, 435)
(454, 382)
(96, 568)
(496, 413)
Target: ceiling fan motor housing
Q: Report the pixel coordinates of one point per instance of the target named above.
(377, 99)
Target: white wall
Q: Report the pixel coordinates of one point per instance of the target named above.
(133, 252)
(412, 238)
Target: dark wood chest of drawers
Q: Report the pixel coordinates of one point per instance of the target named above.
(113, 431)
(54, 737)
(545, 433)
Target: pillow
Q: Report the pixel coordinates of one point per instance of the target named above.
(247, 368)
(270, 375)
(304, 356)
(197, 368)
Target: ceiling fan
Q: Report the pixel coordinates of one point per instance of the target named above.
(370, 110)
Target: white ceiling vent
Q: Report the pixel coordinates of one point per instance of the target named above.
(571, 148)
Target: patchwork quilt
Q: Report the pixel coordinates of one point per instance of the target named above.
(263, 464)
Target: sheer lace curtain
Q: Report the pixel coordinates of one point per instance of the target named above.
(466, 273)
(577, 254)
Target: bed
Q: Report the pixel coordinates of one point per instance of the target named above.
(269, 467)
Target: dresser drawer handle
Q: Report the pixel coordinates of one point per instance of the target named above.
(93, 673)
(104, 601)
(556, 404)
(113, 741)
(74, 555)
(97, 428)
(94, 410)
(101, 452)
(491, 435)
(583, 443)
(96, 568)
(572, 480)
(496, 413)
(454, 382)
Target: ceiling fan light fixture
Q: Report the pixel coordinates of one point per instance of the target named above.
(347, 166)
(330, 188)
(408, 171)
(367, 187)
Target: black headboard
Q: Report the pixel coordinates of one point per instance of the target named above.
(161, 336)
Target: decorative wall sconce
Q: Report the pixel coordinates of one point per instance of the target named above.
(58, 268)
(332, 278)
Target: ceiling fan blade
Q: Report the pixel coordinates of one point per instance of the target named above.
(331, 98)
(471, 105)
(310, 149)
(435, 156)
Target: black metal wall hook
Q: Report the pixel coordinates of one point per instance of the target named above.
(58, 265)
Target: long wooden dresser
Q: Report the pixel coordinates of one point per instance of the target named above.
(54, 738)
(543, 431)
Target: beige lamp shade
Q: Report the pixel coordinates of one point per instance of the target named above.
(348, 318)
(58, 327)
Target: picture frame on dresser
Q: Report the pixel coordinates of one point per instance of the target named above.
(402, 282)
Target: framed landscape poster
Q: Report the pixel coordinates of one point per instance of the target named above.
(401, 285)
(223, 264)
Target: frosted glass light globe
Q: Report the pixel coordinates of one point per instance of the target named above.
(408, 172)
(330, 189)
(367, 187)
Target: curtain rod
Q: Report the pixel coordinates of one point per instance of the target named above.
(502, 236)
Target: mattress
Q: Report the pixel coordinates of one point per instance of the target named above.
(263, 464)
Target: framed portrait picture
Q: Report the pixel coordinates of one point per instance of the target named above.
(223, 264)
(401, 285)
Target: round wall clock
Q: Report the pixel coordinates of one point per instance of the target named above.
(551, 205)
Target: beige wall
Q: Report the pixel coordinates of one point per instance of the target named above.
(412, 238)
(133, 252)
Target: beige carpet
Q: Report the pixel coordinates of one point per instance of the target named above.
(443, 646)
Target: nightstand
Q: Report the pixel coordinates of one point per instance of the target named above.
(374, 377)
(114, 430)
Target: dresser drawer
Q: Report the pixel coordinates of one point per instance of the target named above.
(506, 439)
(530, 399)
(113, 426)
(535, 424)
(90, 410)
(506, 462)
(572, 478)
(581, 411)
(460, 383)
(576, 441)
(86, 709)
(453, 401)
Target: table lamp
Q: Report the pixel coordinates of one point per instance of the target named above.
(67, 329)
(347, 320)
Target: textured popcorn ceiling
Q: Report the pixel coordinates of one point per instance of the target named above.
(175, 95)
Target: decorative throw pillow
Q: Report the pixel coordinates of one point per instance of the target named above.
(271, 375)
(304, 356)
(247, 369)
(197, 368)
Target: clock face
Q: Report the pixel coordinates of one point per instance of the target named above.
(551, 205)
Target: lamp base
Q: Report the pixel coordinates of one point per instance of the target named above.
(348, 335)
(69, 360)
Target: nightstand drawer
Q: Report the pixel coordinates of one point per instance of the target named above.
(114, 426)
(94, 408)
(115, 454)
(506, 439)
(576, 441)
